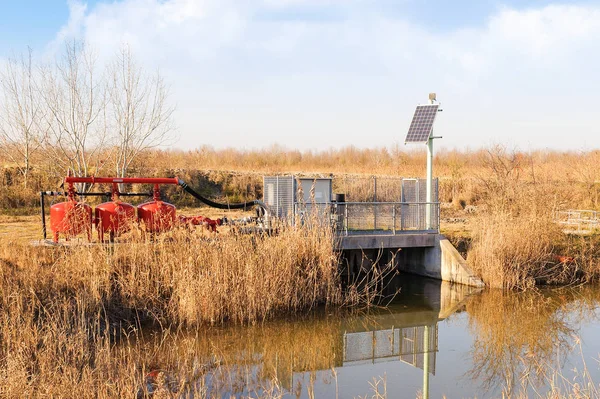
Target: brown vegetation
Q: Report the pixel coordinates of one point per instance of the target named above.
(516, 242)
(508, 197)
(60, 308)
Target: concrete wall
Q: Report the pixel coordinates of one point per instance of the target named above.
(440, 261)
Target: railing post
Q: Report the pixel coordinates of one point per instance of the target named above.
(346, 218)
(402, 216)
(374, 202)
(394, 220)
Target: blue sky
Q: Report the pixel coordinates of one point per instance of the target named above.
(329, 73)
(30, 23)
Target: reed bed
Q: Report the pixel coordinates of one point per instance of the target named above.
(186, 277)
(61, 309)
(236, 174)
(515, 241)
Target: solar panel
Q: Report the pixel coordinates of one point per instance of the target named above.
(421, 124)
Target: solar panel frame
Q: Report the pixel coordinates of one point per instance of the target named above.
(422, 123)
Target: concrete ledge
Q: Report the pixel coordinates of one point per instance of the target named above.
(441, 261)
(402, 240)
(454, 266)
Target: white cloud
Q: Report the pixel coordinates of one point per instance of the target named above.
(240, 79)
(73, 27)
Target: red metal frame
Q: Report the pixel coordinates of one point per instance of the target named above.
(70, 180)
(126, 180)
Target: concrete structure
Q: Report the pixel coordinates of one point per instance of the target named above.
(426, 254)
(382, 231)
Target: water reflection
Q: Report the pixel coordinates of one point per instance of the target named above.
(435, 339)
(303, 357)
(521, 341)
(407, 331)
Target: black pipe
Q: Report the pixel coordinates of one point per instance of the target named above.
(43, 213)
(135, 194)
(242, 205)
(106, 194)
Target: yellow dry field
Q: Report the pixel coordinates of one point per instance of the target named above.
(20, 227)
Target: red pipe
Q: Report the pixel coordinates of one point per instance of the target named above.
(127, 180)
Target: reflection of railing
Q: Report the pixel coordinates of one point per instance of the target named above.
(578, 219)
(405, 344)
(381, 217)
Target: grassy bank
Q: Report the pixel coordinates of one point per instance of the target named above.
(516, 243)
(62, 309)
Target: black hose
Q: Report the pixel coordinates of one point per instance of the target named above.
(242, 205)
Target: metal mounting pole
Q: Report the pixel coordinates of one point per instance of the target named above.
(429, 183)
(429, 177)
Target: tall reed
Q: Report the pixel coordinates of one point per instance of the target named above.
(515, 240)
(61, 308)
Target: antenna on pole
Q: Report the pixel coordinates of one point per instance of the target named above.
(421, 131)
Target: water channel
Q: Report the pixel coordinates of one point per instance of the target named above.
(435, 339)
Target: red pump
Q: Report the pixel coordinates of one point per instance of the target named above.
(114, 217)
(157, 215)
(70, 217)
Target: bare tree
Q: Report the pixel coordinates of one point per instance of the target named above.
(75, 99)
(20, 114)
(139, 111)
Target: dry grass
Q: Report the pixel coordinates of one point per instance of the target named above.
(188, 277)
(63, 309)
(516, 251)
(237, 174)
(515, 241)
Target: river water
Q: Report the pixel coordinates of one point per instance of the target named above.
(434, 339)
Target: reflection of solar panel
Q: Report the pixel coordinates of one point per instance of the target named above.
(421, 124)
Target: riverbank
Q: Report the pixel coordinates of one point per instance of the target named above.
(489, 343)
(507, 249)
(62, 308)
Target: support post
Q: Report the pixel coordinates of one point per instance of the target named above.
(428, 206)
(428, 209)
(42, 205)
(394, 219)
(346, 218)
(374, 202)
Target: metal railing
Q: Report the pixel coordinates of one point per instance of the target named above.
(578, 219)
(409, 344)
(373, 217)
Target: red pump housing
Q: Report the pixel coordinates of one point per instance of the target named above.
(70, 218)
(114, 217)
(157, 215)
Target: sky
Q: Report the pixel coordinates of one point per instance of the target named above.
(317, 74)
